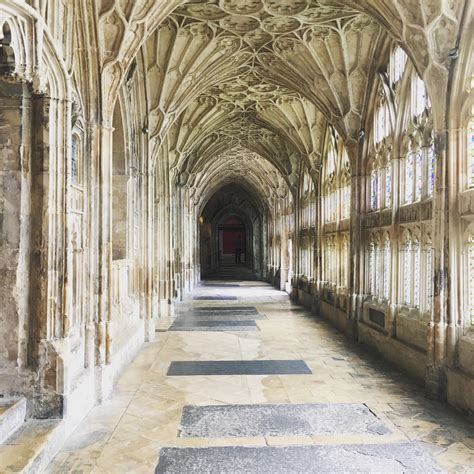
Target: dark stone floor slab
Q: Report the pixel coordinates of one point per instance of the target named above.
(224, 308)
(215, 328)
(225, 421)
(220, 317)
(239, 367)
(215, 298)
(390, 458)
(220, 313)
(213, 325)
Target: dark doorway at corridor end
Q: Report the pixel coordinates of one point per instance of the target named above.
(231, 236)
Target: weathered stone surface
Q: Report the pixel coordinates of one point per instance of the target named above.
(393, 458)
(279, 420)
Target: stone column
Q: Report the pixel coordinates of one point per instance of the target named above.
(437, 327)
(356, 252)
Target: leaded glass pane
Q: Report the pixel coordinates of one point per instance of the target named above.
(398, 62)
(407, 273)
(431, 170)
(377, 265)
(371, 268)
(429, 276)
(373, 190)
(419, 97)
(386, 270)
(388, 186)
(416, 275)
(409, 177)
(419, 175)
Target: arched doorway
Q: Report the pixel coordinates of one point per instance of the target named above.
(232, 241)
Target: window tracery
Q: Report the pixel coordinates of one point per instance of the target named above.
(336, 186)
(419, 162)
(380, 164)
(330, 184)
(307, 219)
(417, 269)
(407, 270)
(379, 266)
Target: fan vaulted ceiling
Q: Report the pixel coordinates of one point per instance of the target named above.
(264, 76)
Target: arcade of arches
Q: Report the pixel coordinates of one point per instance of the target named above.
(144, 143)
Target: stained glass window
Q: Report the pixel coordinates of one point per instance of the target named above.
(388, 185)
(372, 268)
(409, 177)
(470, 151)
(374, 190)
(429, 276)
(407, 272)
(386, 269)
(377, 272)
(419, 175)
(416, 274)
(431, 170)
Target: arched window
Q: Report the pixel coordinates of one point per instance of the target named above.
(398, 61)
(330, 184)
(382, 122)
(419, 163)
(380, 166)
(336, 185)
(419, 97)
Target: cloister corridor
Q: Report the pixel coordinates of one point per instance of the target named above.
(236, 236)
(383, 408)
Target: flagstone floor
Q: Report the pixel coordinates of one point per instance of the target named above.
(372, 402)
